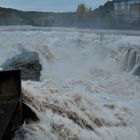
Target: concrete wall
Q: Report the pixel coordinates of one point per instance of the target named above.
(10, 102)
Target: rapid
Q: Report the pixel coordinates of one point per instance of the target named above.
(90, 85)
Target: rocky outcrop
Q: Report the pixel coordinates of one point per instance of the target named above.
(28, 63)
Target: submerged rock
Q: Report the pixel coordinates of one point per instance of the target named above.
(28, 63)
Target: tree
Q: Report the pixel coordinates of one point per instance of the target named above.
(81, 9)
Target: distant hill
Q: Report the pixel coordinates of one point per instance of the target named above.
(69, 19)
(10, 16)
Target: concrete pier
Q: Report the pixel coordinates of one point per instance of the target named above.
(10, 102)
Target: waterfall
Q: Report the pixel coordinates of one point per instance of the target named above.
(123, 60)
(136, 70)
(130, 61)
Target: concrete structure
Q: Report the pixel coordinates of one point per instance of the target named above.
(10, 103)
(130, 8)
(135, 10)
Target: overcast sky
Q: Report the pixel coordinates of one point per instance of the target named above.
(49, 5)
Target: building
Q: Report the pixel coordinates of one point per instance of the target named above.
(130, 8)
(135, 10)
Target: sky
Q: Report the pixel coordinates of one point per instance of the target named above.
(49, 5)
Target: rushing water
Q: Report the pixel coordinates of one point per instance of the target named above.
(87, 89)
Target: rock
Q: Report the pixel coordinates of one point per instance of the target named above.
(28, 63)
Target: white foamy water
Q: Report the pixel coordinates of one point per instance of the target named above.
(82, 94)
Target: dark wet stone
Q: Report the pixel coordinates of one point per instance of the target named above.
(28, 63)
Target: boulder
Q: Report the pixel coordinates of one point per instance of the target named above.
(28, 63)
